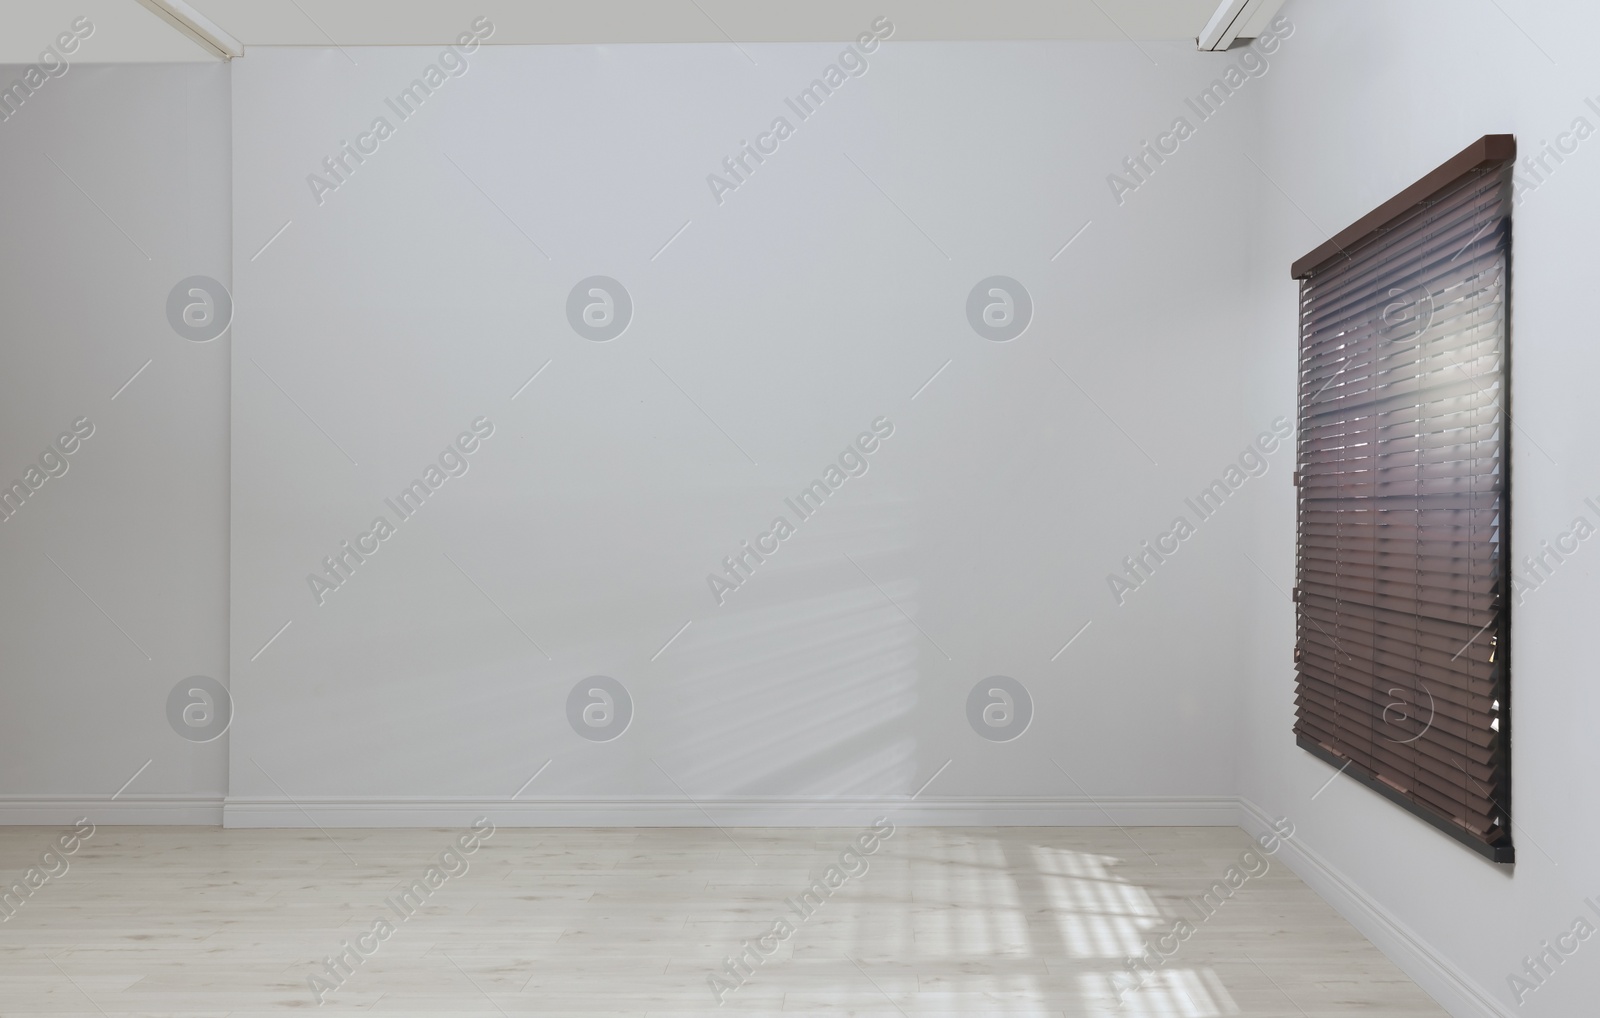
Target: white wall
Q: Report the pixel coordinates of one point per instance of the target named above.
(796, 313)
(117, 187)
(818, 297)
(1376, 95)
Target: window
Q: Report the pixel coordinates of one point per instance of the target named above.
(1403, 571)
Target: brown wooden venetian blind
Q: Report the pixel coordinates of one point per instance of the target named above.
(1403, 569)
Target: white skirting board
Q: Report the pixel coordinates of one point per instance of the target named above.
(1436, 974)
(1183, 811)
(56, 810)
(1218, 811)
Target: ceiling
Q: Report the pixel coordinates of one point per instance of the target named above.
(127, 31)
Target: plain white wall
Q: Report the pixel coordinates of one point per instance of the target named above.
(818, 297)
(117, 187)
(1377, 94)
(807, 305)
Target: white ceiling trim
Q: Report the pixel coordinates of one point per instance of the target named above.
(196, 26)
(1236, 19)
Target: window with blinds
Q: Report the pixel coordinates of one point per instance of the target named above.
(1403, 482)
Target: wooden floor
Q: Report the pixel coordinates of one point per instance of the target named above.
(945, 921)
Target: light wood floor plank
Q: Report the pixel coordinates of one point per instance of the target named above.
(194, 922)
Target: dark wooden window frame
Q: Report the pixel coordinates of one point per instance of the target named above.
(1491, 154)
